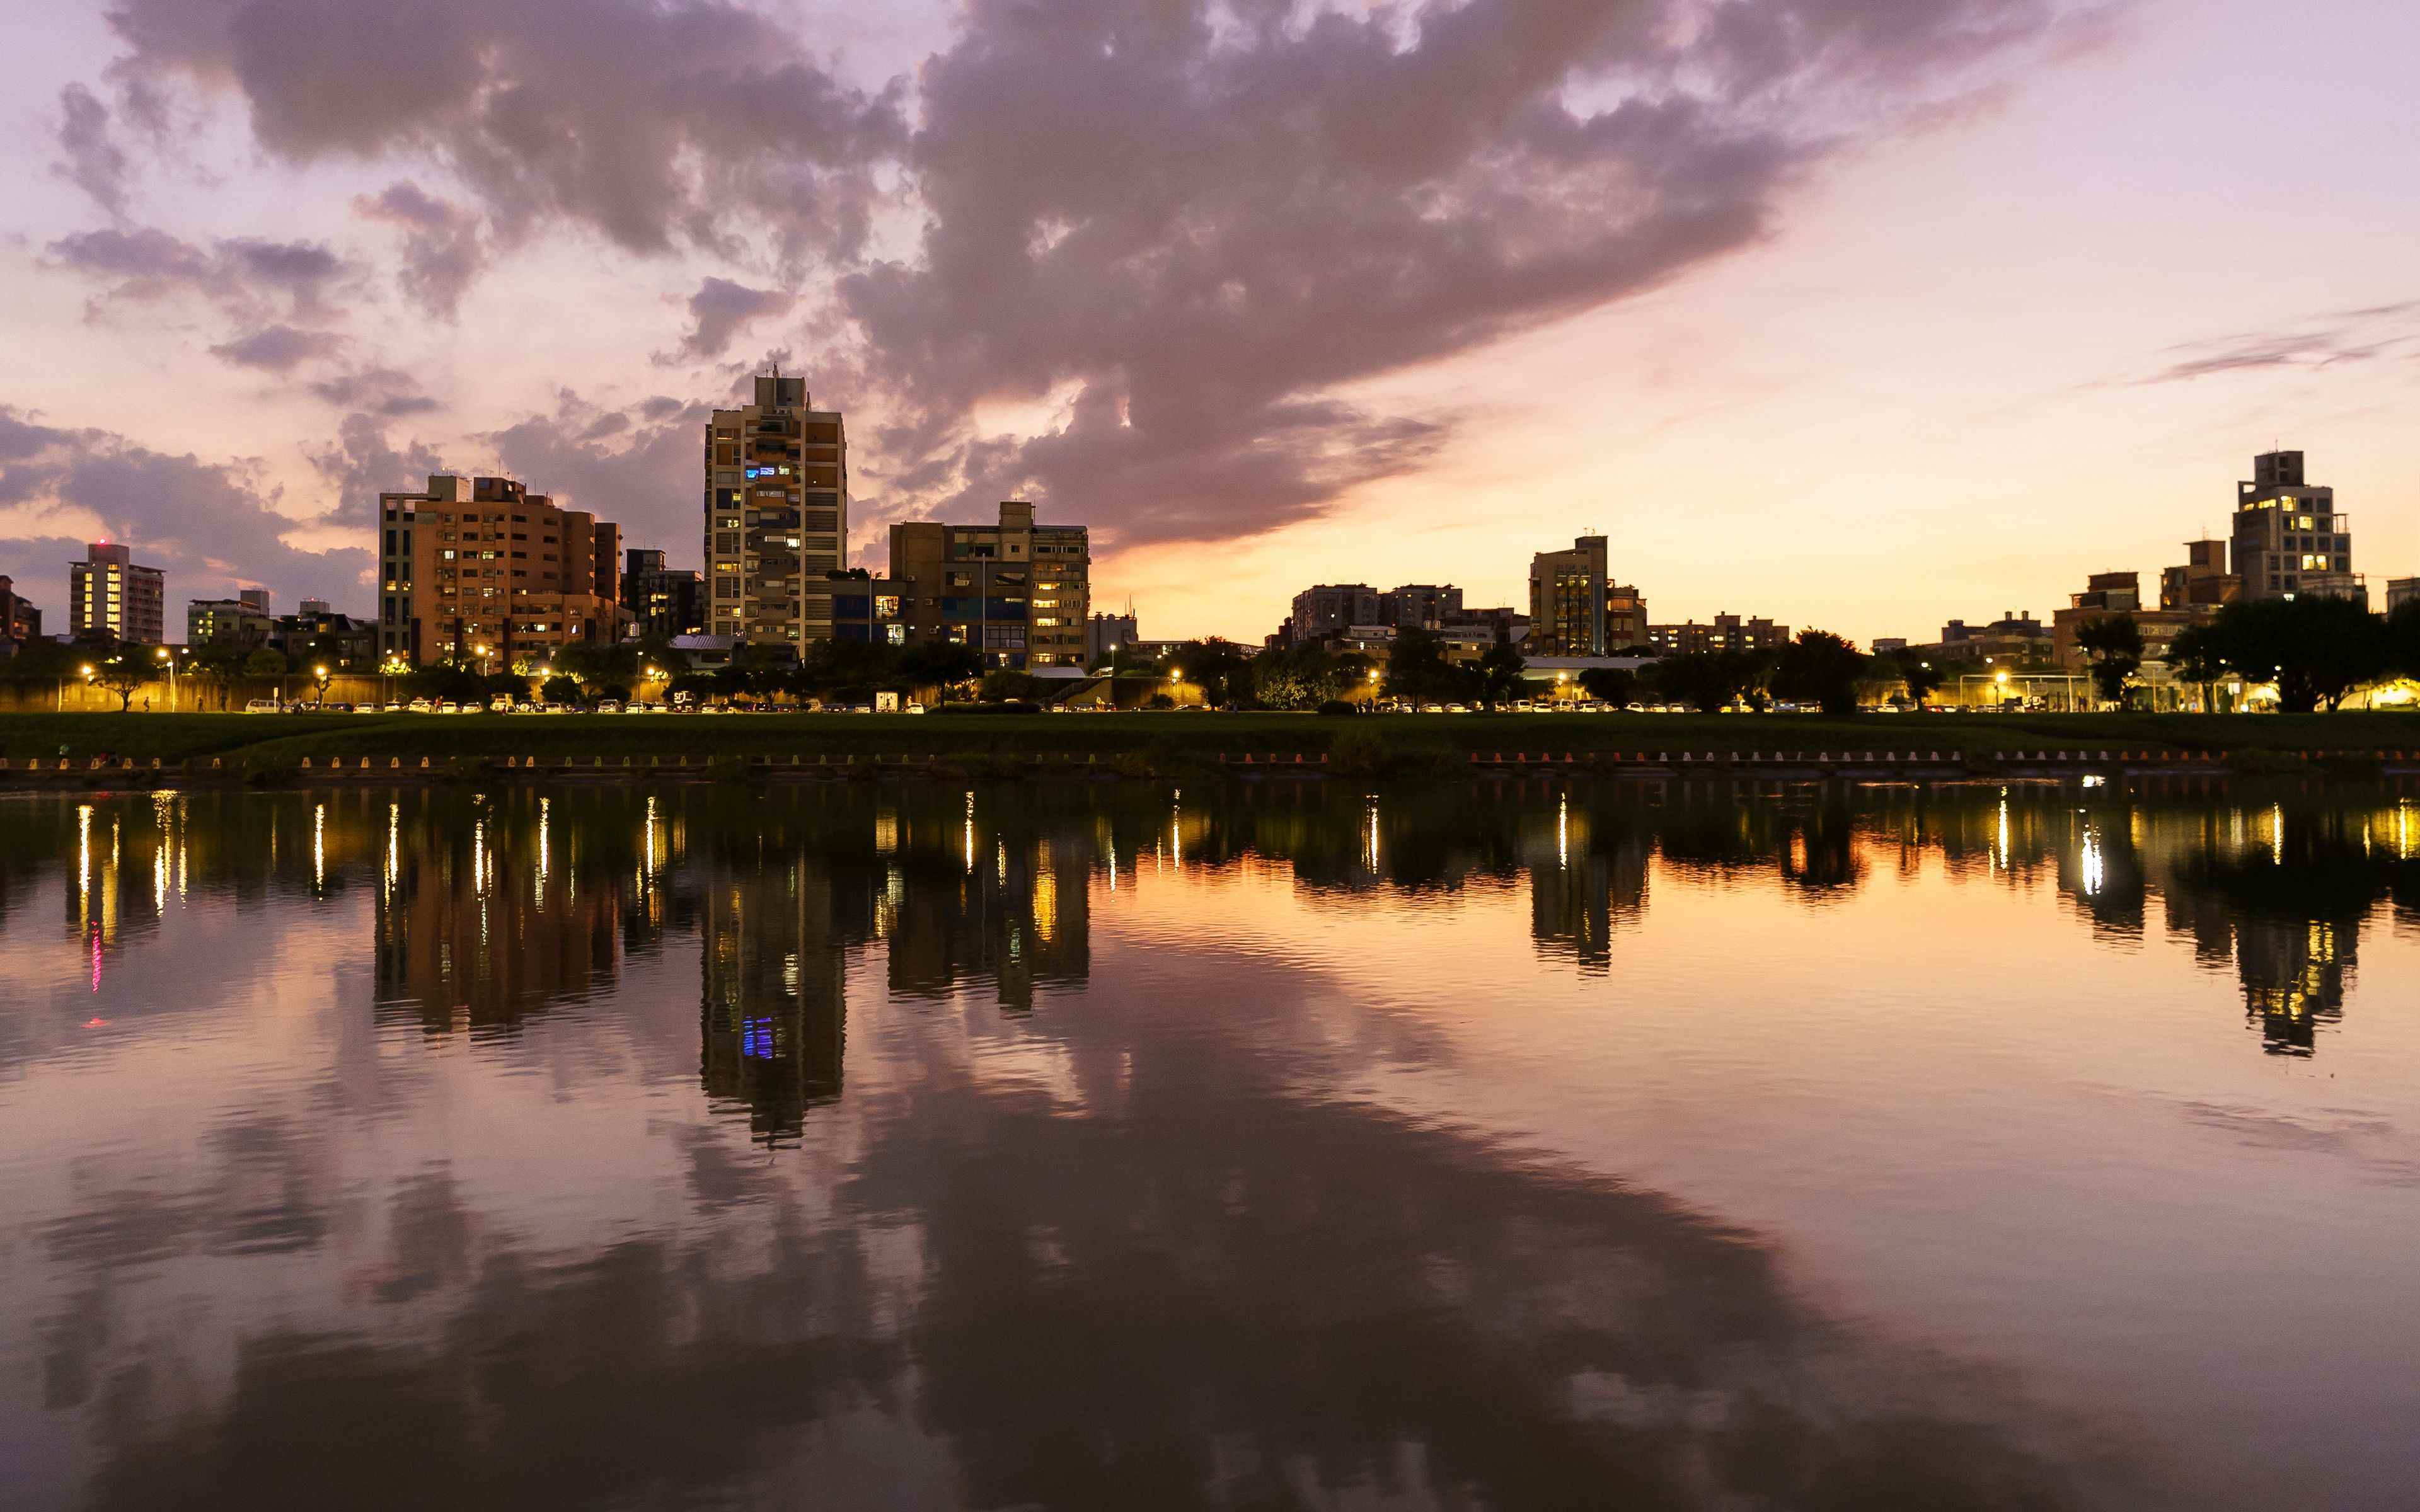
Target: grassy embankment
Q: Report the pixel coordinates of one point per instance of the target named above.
(285, 739)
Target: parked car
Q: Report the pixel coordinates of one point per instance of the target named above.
(912, 708)
(367, 708)
(449, 706)
(422, 706)
(609, 706)
(501, 704)
(262, 706)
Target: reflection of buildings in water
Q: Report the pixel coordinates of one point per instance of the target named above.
(482, 920)
(2294, 975)
(1581, 888)
(1014, 909)
(773, 1001)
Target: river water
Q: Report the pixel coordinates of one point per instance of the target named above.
(1276, 1146)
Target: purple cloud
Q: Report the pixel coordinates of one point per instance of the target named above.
(279, 349)
(245, 276)
(208, 525)
(92, 160)
(719, 310)
(442, 253)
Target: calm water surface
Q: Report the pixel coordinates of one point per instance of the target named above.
(1035, 1147)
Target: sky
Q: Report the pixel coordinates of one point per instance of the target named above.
(1858, 314)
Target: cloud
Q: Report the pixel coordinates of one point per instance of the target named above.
(659, 123)
(93, 160)
(720, 310)
(384, 391)
(362, 463)
(279, 349)
(1195, 227)
(1204, 221)
(245, 276)
(210, 525)
(636, 466)
(2330, 340)
(442, 253)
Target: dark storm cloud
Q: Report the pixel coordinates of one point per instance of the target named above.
(208, 525)
(91, 159)
(279, 349)
(243, 275)
(719, 310)
(648, 121)
(1203, 220)
(442, 253)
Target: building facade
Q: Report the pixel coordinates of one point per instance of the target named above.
(1426, 605)
(1103, 634)
(20, 620)
(776, 517)
(1018, 593)
(662, 600)
(1577, 608)
(483, 572)
(2203, 580)
(2289, 538)
(2400, 592)
(2118, 593)
(1724, 632)
(241, 621)
(1328, 609)
(110, 596)
(869, 609)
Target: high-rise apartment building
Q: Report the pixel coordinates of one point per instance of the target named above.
(2289, 538)
(662, 600)
(483, 563)
(1020, 594)
(1577, 608)
(776, 517)
(108, 596)
(20, 620)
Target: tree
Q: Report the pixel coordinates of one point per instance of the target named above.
(125, 671)
(2402, 640)
(217, 666)
(1004, 685)
(939, 665)
(562, 689)
(2196, 656)
(1499, 675)
(265, 663)
(1218, 667)
(1296, 677)
(1617, 685)
(1416, 668)
(2115, 642)
(2316, 649)
(1701, 679)
(1910, 671)
(1820, 667)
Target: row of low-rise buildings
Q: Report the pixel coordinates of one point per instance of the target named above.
(1578, 610)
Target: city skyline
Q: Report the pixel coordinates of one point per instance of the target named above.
(1952, 326)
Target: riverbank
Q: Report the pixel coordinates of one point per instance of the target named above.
(48, 747)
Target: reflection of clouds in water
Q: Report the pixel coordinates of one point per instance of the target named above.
(1140, 1247)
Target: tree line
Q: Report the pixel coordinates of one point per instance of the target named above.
(2316, 650)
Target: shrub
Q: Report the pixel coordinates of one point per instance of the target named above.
(1338, 706)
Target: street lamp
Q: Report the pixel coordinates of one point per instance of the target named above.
(319, 675)
(164, 654)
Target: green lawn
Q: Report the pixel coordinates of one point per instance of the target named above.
(288, 738)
